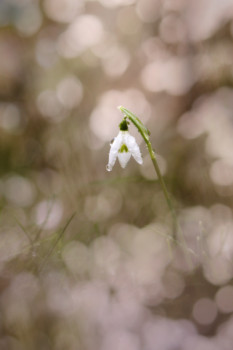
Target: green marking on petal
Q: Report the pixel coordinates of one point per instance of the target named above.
(123, 148)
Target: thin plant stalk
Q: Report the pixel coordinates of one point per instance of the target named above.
(56, 242)
(164, 187)
(145, 135)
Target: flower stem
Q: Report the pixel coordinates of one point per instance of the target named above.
(164, 187)
(177, 231)
(145, 135)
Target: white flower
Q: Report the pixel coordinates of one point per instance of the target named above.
(123, 146)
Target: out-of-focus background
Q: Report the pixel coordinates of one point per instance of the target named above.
(85, 260)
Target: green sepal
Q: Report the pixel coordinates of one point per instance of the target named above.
(124, 125)
(137, 122)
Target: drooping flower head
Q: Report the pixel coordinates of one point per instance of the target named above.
(122, 147)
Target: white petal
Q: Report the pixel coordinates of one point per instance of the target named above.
(111, 160)
(123, 158)
(114, 151)
(133, 148)
(118, 140)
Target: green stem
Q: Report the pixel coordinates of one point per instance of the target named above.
(177, 231)
(145, 135)
(163, 185)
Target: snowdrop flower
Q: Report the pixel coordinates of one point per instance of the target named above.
(123, 146)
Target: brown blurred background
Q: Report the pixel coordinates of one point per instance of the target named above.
(85, 261)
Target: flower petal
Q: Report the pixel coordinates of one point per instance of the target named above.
(114, 151)
(133, 148)
(123, 158)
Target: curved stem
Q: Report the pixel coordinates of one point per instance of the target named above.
(145, 135)
(163, 185)
(177, 231)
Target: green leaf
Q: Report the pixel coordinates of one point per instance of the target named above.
(137, 122)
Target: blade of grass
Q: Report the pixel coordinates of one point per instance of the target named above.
(50, 252)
